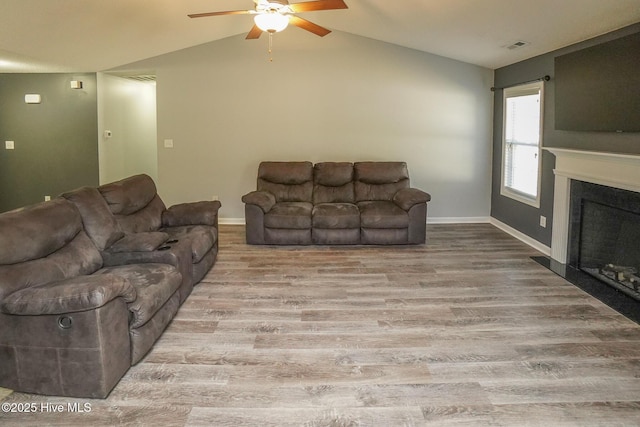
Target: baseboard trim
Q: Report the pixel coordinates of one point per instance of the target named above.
(231, 221)
(458, 220)
(546, 250)
(438, 220)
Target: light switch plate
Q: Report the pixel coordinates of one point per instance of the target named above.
(9, 145)
(32, 98)
(168, 143)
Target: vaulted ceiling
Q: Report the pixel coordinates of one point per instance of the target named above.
(97, 35)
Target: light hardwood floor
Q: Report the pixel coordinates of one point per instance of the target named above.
(465, 330)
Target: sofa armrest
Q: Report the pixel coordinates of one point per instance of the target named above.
(263, 199)
(408, 197)
(193, 213)
(139, 242)
(80, 293)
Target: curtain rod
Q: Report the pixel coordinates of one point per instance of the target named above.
(545, 78)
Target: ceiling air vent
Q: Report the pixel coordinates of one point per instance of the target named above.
(517, 45)
(143, 78)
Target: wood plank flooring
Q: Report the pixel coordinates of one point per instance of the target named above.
(465, 330)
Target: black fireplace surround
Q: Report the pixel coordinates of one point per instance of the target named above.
(604, 235)
(604, 246)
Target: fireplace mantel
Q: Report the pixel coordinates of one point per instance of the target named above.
(610, 169)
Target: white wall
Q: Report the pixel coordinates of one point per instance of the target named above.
(128, 109)
(337, 98)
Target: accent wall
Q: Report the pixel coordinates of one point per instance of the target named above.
(525, 218)
(55, 141)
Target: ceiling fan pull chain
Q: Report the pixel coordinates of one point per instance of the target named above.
(270, 46)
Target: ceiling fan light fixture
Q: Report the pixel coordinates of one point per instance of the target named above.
(272, 22)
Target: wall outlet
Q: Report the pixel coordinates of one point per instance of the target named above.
(543, 221)
(47, 198)
(9, 145)
(214, 197)
(168, 143)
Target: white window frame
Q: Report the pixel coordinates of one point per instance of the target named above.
(520, 90)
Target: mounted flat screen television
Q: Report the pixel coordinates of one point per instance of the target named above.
(598, 88)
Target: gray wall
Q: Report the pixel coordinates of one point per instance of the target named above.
(127, 109)
(56, 147)
(337, 98)
(524, 218)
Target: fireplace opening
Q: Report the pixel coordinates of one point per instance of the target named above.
(610, 246)
(605, 235)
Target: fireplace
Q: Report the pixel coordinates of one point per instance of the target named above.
(595, 239)
(604, 235)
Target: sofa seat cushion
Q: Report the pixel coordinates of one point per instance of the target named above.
(154, 285)
(293, 215)
(336, 215)
(382, 214)
(201, 238)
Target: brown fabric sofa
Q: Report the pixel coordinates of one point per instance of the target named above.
(335, 203)
(81, 298)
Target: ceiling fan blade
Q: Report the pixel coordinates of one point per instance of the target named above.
(228, 12)
(318, 5)
(254, 33)
(308, 25)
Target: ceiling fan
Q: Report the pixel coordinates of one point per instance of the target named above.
(274, 15)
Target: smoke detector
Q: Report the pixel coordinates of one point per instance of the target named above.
(517, 45)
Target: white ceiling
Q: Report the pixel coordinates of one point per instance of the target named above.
(97, 35)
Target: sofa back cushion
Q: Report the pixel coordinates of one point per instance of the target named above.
(37, 230)
(287, 181)
(147, 219)
(379, 180)
(135, 203)
(129, 195)
(44, 243)
(99, 222)
(333, 183)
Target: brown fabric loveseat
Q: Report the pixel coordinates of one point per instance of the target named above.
(335, 203)
(188, 232)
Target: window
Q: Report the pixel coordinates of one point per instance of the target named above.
(521, 142)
